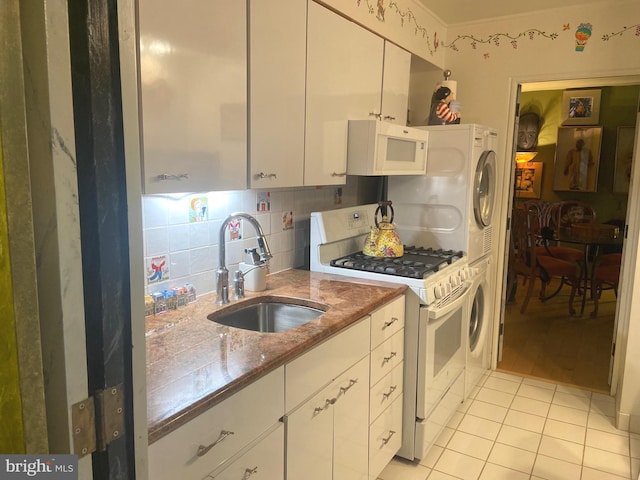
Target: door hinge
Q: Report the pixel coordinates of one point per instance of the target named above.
(98, 420)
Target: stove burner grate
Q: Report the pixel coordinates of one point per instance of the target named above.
(417, 262)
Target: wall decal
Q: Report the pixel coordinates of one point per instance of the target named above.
(495, 39)
(583, 33)
(406, 16)
(607, 36)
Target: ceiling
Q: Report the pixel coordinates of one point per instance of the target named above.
(461, 11)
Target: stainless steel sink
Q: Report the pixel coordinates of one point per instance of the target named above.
(267, 316)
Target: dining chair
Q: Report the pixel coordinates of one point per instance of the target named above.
(524, 260)
(606, 272)
(543, 218)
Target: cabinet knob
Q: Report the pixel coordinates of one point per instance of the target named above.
(202, 450)
(172, 176)
(265, 175)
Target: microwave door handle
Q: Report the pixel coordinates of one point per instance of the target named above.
(447, 309)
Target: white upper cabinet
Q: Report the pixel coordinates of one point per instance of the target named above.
(395, 84)
(344, 72)
(194, 95)
(277, 57)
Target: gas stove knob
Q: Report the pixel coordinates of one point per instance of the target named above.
(455, 280)
(439, 291)
(463, 274)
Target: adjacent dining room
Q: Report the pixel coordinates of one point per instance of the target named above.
(571, 185)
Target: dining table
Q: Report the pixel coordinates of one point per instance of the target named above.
(592, 238)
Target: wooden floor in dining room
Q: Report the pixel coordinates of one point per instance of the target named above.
(547, 343)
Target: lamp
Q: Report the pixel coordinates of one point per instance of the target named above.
(525, 157)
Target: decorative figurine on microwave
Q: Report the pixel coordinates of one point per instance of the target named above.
(383, 240)
(445, 110)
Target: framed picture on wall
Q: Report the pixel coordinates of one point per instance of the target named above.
(624, 156)
(529, 180)
(581, 107)
(577, 159)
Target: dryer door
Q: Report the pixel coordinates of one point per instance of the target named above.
(484, 188)
(477, 319)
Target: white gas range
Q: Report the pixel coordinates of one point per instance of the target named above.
(437, 307)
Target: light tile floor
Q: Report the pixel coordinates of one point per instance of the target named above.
(518, 428)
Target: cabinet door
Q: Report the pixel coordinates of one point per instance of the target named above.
(309, 438)
(277, 92)
(263, 461)
(351, 424)
(344, 72)
(395, 84)
(194, 95)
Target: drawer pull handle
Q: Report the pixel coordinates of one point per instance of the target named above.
(391, 390)
(248, 472)
(389, 117)
(172, 176)
(352, 382)
(265, 175)
(388, 359)
(336, 174)
(391, 322)
(202, 450)
(386, 440)
(327, 403)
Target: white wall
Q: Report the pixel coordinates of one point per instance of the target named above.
(488, 68)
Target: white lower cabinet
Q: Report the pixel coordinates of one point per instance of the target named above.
(327, 436)
(263, 461)
(207, 443)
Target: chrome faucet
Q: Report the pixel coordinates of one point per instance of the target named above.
(222, 274)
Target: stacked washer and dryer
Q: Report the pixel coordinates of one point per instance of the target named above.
(452, 207)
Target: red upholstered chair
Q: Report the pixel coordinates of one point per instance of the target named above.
(524, 260)
(606, 272)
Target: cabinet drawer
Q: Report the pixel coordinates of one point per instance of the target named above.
(386, 356)
(265, 460)
(248, 414)
(319, 366)
(385, 437)
(386, 321)
(385, 392)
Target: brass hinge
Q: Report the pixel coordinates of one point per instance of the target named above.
(98, 420)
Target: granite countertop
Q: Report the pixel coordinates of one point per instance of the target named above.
(194, 363)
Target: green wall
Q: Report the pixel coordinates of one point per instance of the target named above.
(11, 430)
(618, 107)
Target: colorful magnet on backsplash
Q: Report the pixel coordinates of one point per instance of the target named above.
(199, 209)
(234, 229)
(263, 201)
(157, 269)
(583, 33)
(287, 220)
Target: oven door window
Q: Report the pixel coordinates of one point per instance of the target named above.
(447, 342)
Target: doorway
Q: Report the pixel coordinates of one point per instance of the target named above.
(546, 342)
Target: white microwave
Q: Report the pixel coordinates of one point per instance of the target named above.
(375, 147)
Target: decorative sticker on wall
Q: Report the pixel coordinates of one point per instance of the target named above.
(235, 229)
(497, 38)
(157, 269)
(263, 201)
(199, 209)
(406, 17)
(583, 34)
(287, 220)
(635, 27)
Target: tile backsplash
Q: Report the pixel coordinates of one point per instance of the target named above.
(181, 231)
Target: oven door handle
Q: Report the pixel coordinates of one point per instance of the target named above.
(437, 313)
